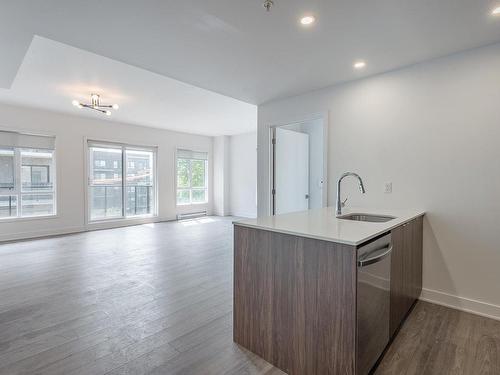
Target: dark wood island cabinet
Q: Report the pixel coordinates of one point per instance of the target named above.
(295, 297)
(406, 270)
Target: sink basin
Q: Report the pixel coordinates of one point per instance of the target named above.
(367, 217)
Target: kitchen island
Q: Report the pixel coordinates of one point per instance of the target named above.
(301, 298)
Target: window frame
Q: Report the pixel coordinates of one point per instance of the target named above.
(191, 188)
(154, 195)
(9, 191)
(47, 167)
(17, 190)
(89, 143)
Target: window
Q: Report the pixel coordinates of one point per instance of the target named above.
(139, 182)
(116, 193)
(27, 175)
(105, 190)
(7, 168)
(192, 181)
(8, 203)
(37, 189)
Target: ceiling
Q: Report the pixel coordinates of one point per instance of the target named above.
(235, 48)
(53, 74)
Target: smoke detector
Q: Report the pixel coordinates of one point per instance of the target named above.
(268, 4)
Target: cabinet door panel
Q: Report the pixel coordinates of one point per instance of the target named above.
(416, 257)
(397, 279)
(406, 270)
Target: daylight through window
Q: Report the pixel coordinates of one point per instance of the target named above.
(192, 181)
(122, 181)
(27, 176)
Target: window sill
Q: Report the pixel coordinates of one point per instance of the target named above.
(191, 204)
(31, 218)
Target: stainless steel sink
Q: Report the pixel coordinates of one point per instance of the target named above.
(367, 217)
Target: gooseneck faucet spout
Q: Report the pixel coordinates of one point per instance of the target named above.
(340, 204)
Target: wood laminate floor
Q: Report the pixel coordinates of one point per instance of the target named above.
(437, 340)
(157, 299)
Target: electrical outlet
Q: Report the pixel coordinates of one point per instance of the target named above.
(388, 188)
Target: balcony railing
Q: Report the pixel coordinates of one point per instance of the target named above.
(107, 201)
(138, 193)
(8, 205)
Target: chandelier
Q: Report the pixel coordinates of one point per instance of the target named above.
(95, 104)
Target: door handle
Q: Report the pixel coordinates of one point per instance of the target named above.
(376, 258)
(307, 196)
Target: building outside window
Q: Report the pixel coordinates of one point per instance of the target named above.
(27, 176)
(116, 192)
(192, 177)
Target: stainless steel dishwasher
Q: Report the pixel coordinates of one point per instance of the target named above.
(373, 301)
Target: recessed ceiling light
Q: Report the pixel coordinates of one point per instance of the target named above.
(359, 65)
(496, 11)
(307, 20)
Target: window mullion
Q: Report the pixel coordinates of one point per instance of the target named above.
(17, 180)
(190, 181)
(206, 180)
(124, 174)
(155, 209)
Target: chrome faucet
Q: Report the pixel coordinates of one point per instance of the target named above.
(341, 204)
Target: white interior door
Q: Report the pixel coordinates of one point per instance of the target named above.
(291, 168)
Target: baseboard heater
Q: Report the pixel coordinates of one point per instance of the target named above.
(191, 215)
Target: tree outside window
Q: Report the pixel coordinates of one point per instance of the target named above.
(191, 177)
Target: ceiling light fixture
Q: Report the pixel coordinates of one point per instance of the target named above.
(307, 20)
(359, 65)
(95, 104)
(496, 11)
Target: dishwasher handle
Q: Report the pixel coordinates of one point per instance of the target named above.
(377, 256)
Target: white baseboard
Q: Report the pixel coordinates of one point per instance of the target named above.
(460, 303)
(78, 229)
(244, 215)
(122, 223)
(40, 233)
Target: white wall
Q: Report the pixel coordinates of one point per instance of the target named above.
(432, 129)
(221, 175)
(243, 175)
(70, 132)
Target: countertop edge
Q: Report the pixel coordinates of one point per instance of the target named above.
(330, 239)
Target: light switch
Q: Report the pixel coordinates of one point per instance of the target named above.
(388, 188)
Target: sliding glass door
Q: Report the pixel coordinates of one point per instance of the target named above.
(139, 183)
(121, 181)
(106, 180)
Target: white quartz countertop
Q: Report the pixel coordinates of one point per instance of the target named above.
(322, 224)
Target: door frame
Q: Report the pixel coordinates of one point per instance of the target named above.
(272, 153)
